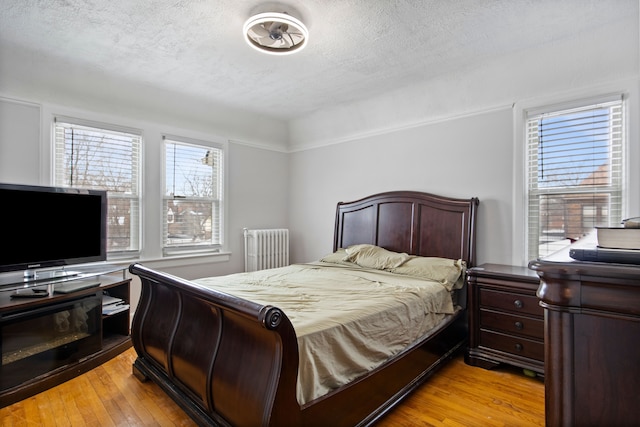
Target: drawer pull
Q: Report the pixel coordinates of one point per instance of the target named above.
(518, 303)
(518, 347)
(519, 326)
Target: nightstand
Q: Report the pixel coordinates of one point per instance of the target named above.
(506, 321)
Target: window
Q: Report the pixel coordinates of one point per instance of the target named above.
(574, 174)
(193, 196)
(103, 157)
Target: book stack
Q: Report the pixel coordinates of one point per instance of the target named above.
(112, 305)
(620, 245)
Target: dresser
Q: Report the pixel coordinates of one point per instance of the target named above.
(506, 321)
(592, 337)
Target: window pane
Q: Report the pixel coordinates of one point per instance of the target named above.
(565, 218)
(190, 171)
(193, 182)
(92, 157)
(189, 222)
(574, 175)
(573, 149)
(122, 224)
(95, 159)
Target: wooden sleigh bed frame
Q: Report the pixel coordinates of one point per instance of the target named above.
(229, 361)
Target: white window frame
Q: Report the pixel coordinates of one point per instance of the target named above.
(569, 187)
(135, 196)
(630, 90)
(202, 248)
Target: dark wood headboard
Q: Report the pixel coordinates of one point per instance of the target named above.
(410, 221)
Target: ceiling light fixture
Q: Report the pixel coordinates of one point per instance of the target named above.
(275, 33)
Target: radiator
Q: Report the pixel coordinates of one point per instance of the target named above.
(266, 248)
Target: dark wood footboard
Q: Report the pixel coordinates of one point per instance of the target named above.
(228, 361)
(224, 360)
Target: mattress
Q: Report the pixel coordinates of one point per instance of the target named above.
(348, 319)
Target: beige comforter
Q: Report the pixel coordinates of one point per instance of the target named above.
(348, 320)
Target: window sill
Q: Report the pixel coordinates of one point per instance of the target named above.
(177, 260)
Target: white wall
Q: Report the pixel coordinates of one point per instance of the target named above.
(444, 158)
(19, 142)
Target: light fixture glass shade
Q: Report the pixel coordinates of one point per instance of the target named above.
(275, 33)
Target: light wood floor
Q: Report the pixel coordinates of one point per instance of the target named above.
(457, 395)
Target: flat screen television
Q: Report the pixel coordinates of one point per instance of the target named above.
(44, 227)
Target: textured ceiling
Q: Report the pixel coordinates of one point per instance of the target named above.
(357, 48)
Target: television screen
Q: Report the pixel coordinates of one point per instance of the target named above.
(48, 226)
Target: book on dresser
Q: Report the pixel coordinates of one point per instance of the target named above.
(618, 237)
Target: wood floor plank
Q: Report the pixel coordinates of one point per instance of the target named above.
(92, 407)
(458, 395)
(135, 402)
(149, 401)
(120, 412)
(45, 409)
(103, 407)
(70, 404)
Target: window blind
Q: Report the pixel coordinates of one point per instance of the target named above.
(106, 158)
(574, 173)
(193, 196)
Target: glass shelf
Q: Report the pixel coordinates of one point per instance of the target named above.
(17, 279)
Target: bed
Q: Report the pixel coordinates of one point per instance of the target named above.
(233, 360)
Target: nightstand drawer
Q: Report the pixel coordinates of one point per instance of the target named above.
(519, 325)
(515, 345)
(529, 304)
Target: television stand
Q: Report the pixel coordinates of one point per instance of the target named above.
(47, 341)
